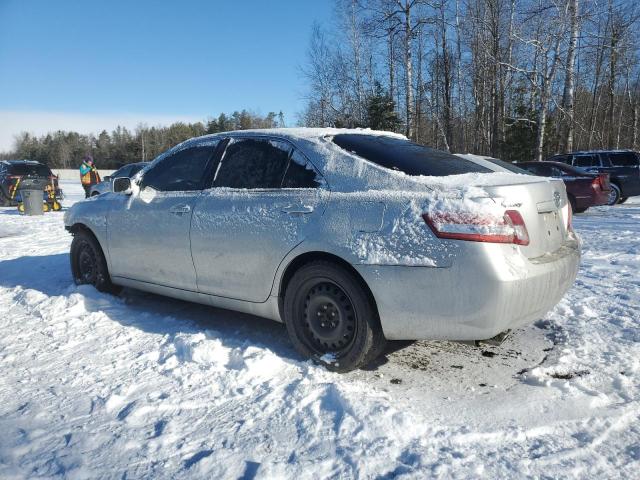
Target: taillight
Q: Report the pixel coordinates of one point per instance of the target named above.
(596, 183)
(479, 228)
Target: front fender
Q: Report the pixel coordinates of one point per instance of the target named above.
(91, 214)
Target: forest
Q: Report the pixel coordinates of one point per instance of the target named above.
(514, 79)
(110, 150)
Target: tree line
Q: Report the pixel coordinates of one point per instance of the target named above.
(110, 150)
(515, 79)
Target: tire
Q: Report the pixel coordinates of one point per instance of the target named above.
(327, 311)
(88, 265)
(614, 196)
(580, 210)
(623, 199)
(95, 194)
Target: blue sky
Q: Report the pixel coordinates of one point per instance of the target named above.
(149, 61)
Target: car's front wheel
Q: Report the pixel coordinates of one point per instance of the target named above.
(330, 318)
(88, 265)
(614, 195)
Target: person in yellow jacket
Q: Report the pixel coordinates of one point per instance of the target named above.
(88, 174)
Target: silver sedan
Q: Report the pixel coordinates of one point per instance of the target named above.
(349, 237)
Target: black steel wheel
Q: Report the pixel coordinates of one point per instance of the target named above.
(331, 318)
(88, 265)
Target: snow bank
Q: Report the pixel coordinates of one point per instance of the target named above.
(144, 386)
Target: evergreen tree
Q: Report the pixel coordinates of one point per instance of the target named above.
(381, 110)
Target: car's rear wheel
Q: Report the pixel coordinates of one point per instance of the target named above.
(330, 317)
(623, 199)
(614, 195)
(88, 264)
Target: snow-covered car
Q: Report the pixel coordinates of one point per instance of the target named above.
(106, 185)
(349, 237)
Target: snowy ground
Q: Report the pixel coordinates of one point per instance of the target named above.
(143, 386)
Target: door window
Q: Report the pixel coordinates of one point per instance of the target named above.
(253, 163)
(300, 174)
(179, 171)
(623, 159)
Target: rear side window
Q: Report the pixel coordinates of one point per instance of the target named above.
(300, 174)
(586, 161)
(29, 169)
(179, 171)
(405, 156)
(253, 163)
(623, 159)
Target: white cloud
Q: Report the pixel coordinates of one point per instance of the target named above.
(38, 123)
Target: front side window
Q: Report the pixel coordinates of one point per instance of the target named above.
(179, 171)
(586, 161)
(623, 159)
(253, 163)
(122, 172)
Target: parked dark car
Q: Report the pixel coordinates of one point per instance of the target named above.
(583, 189)
(623, 167)
(13, 171)
(128, 170)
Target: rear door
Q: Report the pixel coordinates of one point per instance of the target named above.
(264, 200)
(148, 231)
(624, 165)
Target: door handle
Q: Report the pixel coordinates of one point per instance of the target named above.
(298, 209)
(180, 209)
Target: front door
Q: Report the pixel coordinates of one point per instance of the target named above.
(148, 231)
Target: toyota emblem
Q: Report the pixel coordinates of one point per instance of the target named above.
(557, 199)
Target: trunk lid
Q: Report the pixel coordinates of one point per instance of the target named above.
(543, 204)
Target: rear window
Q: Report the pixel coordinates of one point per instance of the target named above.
(507, 166)
(626, 159)
(29, 169)
(405, 156)
(572, 171)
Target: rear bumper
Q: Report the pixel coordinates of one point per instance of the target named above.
(476, 298)
(600, 197)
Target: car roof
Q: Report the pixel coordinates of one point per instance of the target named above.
(543, 162)
(17, 162)
(582, 152)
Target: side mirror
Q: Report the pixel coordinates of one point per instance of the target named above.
(107, 178)
(122, 185)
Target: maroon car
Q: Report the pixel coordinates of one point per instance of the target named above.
(583, 189)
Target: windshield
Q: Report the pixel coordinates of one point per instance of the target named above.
(405, 156)
(37, 169)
